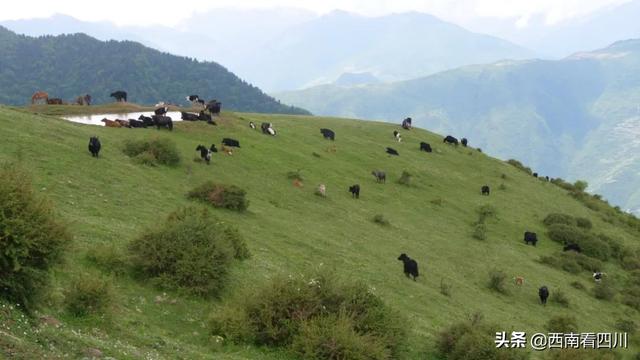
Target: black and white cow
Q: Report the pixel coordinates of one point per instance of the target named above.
(397, 136)
(252, 125)
(205, 154)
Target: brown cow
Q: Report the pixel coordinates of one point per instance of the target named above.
(123, 123)
(111, 123)
(39, 96)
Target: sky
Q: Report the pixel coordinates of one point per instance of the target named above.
(172, 12)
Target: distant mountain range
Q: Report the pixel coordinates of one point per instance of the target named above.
(66, 66)
(578, 117)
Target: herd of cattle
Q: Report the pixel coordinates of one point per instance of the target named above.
(410, 266)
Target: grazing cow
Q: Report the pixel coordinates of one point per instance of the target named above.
(450, 140)
(214, 107)
(572, 247)
(397, 136)
(410, 266)
(148, 121)
(94, 146)
(267, 128)
(535, 174)
(392, 151)
(39, 96)
(464, 142)
(54, 101)
(328, 134)
(162, 122)
(111, 123)
(322, 190)
(205, 154)
(519, 280)
(137, 123)
(406, 124)
(543, 293)
(485, 190)
(231, 142)
(546, 178)
(380, 176)
(597, 276)
(355, 191)
(252, 125)
(530, 237)
(120, 96)
(425, 147)
(123, 123)
(189, 116)
(161, 110)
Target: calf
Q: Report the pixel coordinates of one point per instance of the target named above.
(161, 110)
(205, 154)
(392, 151)
(450, 140)
(463, 141)
(328, 134)
(189, 116)
(410, 266)
(380, 176)
(111, 123)
(530, 237)
(572, 247)
(355, 191)
(397, 135)
(425, 147)
(94, 146)
(543, 293)
(519, 280)
(485, 190)
(230, 142)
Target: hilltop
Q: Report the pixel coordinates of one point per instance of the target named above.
(111, 200)
(66, 66)
(572, 118)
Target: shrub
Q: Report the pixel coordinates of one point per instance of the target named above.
(559, 297)
(584, 223)
(480, 231)
(558, 218)
(626, 325)
(502, 186)
(578, 285)
(295, 175)
(437, 202)
(631, 296)
(503, 176)
(497, 279)
(405, 178)
(89, 295)
(580, 185)
(486, 212)
(221, 196)
(191, 250)
(590, 245)
(301, 312)
(604, 291)
(32, 239)
(631, 262)
(445, 288)
(156, 151)
(563, 324)
(381, 220)
(109, 258)
(519, 165)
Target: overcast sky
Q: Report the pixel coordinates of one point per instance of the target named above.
(171, 12)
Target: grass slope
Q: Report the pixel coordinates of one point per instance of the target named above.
(289, 230)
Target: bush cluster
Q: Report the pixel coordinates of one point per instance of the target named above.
(316, 317)
(109, 258)
(604, 291)
(497, 281)
(480, 231)
(520, 166)
(191, 250)
(32, 238)
(381, 220)
(221, 196)
(572, 262)
(559, 297)
(89, 295)
(563, 324)
(405, 178)
(156, 151)
(590, 244)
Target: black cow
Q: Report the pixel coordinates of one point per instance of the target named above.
(450, 140)
(202, 116)
(189, 116)
(328, 134)
(205, 154)
(530, 237)
(214, 107)
(162, 122)
(148, 121)
(425, 147)
(119, 95)
(161, 110)
(213, 148)
(535, 175)
(380, 176)
(133, 123)
(543, 293)
(392, 151)
(94, 146)
(355, 191)
(410, 266)
(406, 124)
(230, 142)
(572, 247)
(464, 142)
(546, 178)
(486, 190)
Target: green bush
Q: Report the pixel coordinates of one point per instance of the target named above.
(502, 187)
(480, 231)
(221, 196)
(156, 151)
(89, 295)
(109, 258)
(381, 220)
(631, 296)
(578, 285)
(626, 325)
(497, 281)
(32, 239)
(558, 218)
(486, 212)
(300, 312)
(405, 178)
(589, 244)
(604, 291)
(580, 185)
(445, 288)
(519, 165)
(295, 175)
(191, 250)
(563, 324)
(584, 223)
(560, 298)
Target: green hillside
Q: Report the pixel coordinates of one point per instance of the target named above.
(289, 230)
(66, 66)
(574, 118)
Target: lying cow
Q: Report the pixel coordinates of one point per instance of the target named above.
(146, 120)
(410, 267)
(202, 116)
(110, 123)
(189, 116)
(230, 142)
(328, 134)
(392, 151)
(133, 123)
(123, 123)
